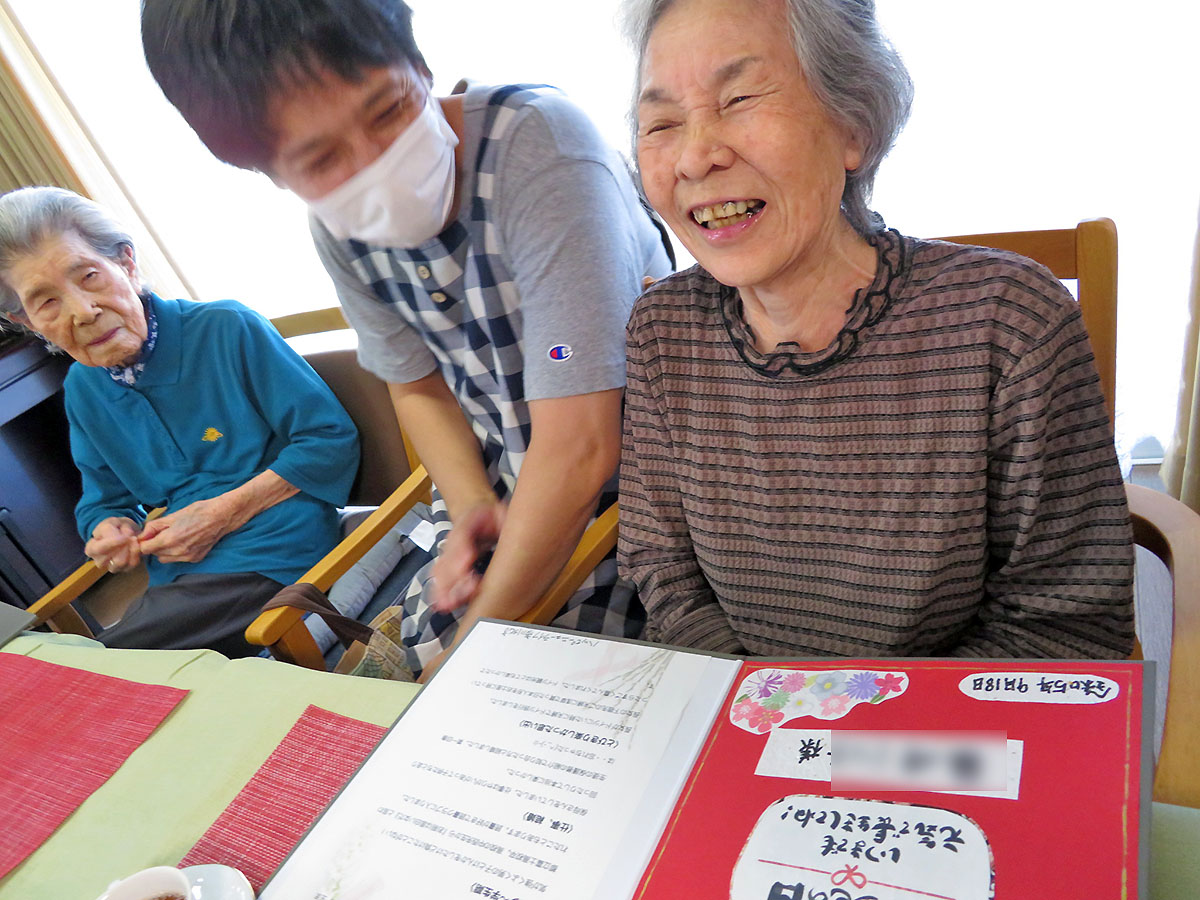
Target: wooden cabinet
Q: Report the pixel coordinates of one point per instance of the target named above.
(39, 485)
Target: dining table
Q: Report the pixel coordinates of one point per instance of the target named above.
(175, 785)
(196, 764)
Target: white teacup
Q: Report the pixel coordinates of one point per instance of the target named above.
(158, 883)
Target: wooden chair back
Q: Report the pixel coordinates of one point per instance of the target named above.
(1086, 254)
(1161, 524)
(386, 460)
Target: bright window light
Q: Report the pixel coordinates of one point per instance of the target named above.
(1029, 114)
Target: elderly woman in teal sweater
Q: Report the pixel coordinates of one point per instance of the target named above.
(198, 407)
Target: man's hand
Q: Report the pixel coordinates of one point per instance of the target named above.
(187, 535)
(455, 579)
(114, 544)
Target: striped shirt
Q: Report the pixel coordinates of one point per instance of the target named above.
(939, 480)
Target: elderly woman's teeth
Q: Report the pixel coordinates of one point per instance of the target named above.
(722, 214)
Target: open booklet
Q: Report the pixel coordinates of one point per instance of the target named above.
(541, 763)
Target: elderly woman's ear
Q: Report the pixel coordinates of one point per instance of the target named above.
(128, 262)
(855, 144)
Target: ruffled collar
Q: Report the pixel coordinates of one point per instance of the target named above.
(868, 306)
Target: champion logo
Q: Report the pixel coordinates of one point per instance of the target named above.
(560, 352)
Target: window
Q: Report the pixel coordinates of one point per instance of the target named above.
(1033, 114)
(1040, 113)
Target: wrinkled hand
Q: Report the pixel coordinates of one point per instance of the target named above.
(455, 581)
(114, 544)
(186, 535)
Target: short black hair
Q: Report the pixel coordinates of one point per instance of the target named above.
(222, 62)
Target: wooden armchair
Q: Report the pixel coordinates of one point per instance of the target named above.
(1161, 524)
(1171, 531)
(283, 630)
(54, 607)
(389, 477)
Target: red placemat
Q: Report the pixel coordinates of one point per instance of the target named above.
(299, 779)
(64, 732)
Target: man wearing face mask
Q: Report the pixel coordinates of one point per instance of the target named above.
(487, 248)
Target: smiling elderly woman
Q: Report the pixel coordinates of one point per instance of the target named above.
(838, 439)
(198, 407)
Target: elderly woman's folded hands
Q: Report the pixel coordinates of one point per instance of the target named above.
(188, 535)
(119, 543)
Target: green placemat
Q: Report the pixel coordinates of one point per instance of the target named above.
(1174, 852)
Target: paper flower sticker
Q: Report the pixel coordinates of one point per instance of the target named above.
(769, 697)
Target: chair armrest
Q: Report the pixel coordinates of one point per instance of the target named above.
(1171, 531)
(313, 321)
(283, 629)
(54, 606)
(295, 643)
(599, 538)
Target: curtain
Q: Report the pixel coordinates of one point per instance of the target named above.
(28, 155)
(1181, 467)
(43, 141)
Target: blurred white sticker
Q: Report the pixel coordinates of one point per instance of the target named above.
(918, 761)
(1039, 687)
(805, 847)
(1012, 789)
(939, 762)
(423, 535)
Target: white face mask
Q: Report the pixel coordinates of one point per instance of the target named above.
(403, 198)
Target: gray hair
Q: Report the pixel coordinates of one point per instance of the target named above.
(30, 215)
(852, 69)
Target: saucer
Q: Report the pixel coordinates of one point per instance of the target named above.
(214, 882)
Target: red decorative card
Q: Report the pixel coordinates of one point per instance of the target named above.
(768, 814)
(540, 763)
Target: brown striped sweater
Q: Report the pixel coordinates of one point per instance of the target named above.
(940, 480)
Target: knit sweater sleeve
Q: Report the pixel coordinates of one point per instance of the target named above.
(654, 545)
(1060, 574)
